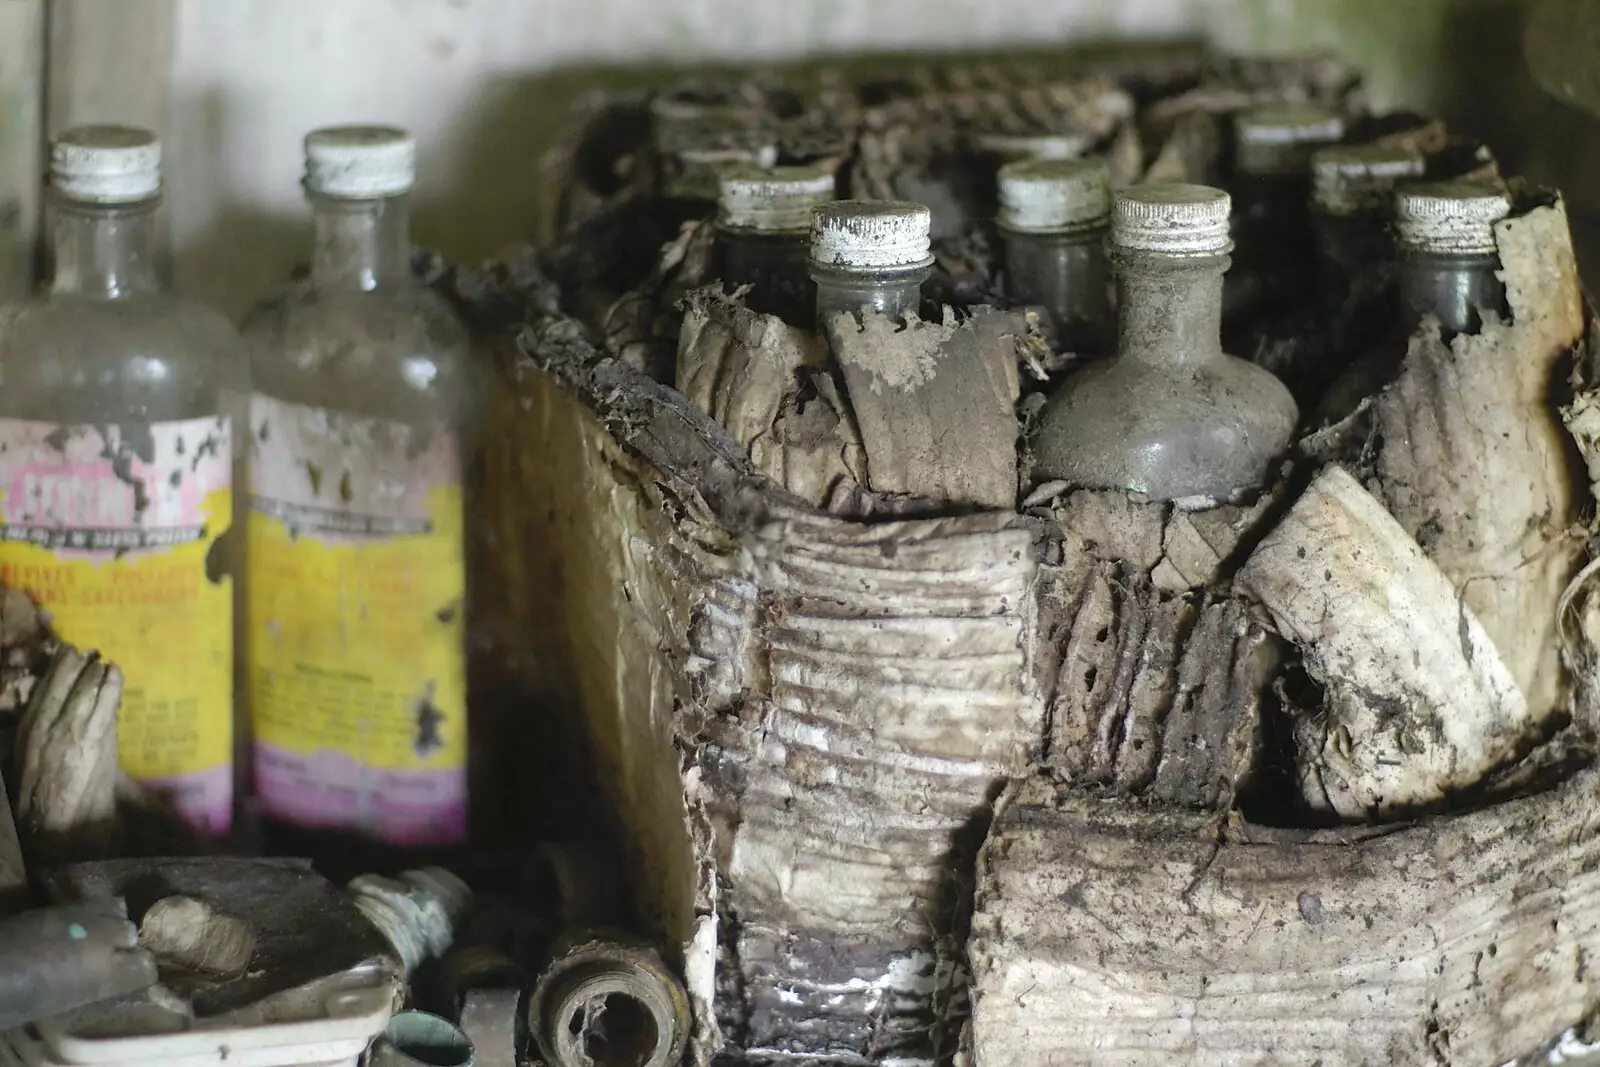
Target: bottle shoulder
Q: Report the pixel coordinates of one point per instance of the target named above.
(1209, 429)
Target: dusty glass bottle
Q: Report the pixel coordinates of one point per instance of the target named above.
(1171, 416)
(1053, 218)
(1271, 189)
(355, 592)
(698, 137)
(869, 254)
(116, 473)
(1449, 255)
(763, 236)
(1352, 200)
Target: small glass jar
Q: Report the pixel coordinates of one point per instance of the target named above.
(1171, 416)
(119, 417)
(764, 236)
(355, 628)
(1449, 257)
(1053, 218)
(1352, 199)
(869, 255)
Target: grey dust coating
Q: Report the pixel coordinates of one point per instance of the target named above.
(1171, 416)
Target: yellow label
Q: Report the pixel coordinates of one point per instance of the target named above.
(356, 639)
(116, 530)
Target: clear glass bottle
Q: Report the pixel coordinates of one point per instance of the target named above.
(116, 468)
(869, 254)
(699, 136)
(355, 583)
(1053, 218)
(1171, 416)
(763, 236)
(1352, 200)
(1271, 189)
(1449, 255)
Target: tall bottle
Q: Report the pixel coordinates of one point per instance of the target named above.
(1053, 218)
(355, 592)
(1271, 188)
(1448, 254)
(116, 474)
(1171, 416)
(763, 236)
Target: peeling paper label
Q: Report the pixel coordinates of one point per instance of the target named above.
(357, 674)
(117, 531)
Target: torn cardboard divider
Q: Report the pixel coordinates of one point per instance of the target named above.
(1419, 703)
(1475, 465)
(935, 403)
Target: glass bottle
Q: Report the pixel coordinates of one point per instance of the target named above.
(1053, 218)
(763, 236)
(699, 136)
(116, 468)
(355, 592)
(1448, 254)
(869, 254)
(1352, 200)
(1170, 416)
(1271, 188)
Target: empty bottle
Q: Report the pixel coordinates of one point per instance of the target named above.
(1273, 145)
(355, 633)
(1053, 217)
(763, 234)
(1448, 254)
(1171, 416)
(116, 471)
(869, 254)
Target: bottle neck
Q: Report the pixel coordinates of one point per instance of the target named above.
(103, 250)
(890, 292)
(360, 244)
(1169, 311)
(1454, 288)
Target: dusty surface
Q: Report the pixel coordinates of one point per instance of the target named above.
(1116, 936)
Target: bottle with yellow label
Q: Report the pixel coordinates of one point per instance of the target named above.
(116, 447)
(354, 636)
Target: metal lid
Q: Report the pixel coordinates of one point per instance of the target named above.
(360, 162)
(1020, 146)
(1054, 196)
(1172, 220)
(1450, 218)
(1276, 140)
(106, 164)
(1349, 180)
(779, 200)
(871, 234)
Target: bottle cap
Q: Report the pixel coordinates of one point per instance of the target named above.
(106, 164)
(1020, 146)
(360, 162)
(1053, 196)
(871, 234)
(1277, 140)
(1172, 220)
(779, 200)
(1450, 218)
(1350, 180)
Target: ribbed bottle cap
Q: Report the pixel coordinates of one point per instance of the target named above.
(1352, 180)
(1172, 220)
(1277, 139)
(1450, 218)
(1052, 196)
(871, 234)
(779, 200)
(360, 162)
(106, 164)
(1020, 146)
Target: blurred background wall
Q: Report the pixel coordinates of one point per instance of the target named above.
(484, 84)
